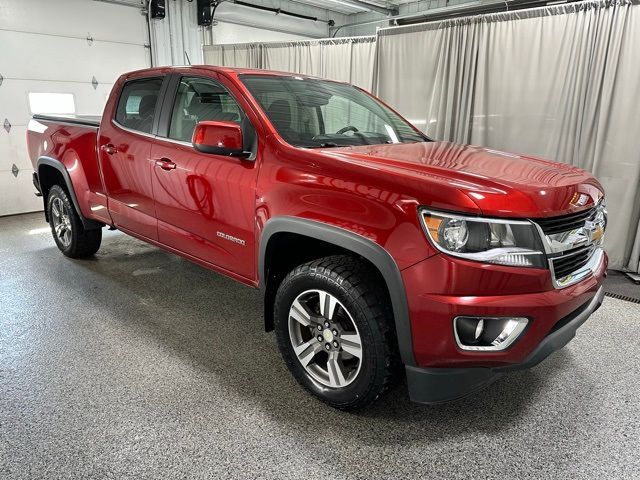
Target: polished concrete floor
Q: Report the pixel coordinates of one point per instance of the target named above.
(137, 364)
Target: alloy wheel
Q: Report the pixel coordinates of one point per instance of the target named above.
(61, 221)
(325, 338)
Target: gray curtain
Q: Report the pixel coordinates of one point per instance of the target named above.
(245, 55)
(174, 41)
(344, 59)
(558, 82)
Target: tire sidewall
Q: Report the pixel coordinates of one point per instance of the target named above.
(370, 336)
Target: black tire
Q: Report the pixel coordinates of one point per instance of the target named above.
(358, 288)
(75, 242)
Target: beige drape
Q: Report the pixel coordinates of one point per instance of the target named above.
(245, 55)
(345, 59)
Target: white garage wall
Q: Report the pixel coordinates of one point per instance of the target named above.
(44, 48)
(178, 40)
(268, 26)
(225, 33)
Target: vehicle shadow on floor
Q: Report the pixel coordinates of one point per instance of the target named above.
(218, 324)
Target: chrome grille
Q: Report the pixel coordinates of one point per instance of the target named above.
(573, 243)
(571, 261)
(565, 223)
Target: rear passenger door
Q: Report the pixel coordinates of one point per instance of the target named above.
(205, 203)
(124, 148)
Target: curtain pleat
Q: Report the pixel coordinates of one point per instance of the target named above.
(344, 59)
(243, 56)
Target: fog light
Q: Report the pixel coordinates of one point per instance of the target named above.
(487, 333)
(469, 329)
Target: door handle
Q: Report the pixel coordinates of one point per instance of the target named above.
(165, 164)
(109, 149)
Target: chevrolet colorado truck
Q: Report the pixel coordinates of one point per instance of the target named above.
(382, 254)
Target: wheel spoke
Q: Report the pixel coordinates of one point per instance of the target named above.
(299, 313)
(67, 236)
(59, 229)
(55, 209)
(351, 344)
(327, 305)
(307, 350)
(336, 375)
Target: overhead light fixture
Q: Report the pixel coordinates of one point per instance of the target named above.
(367, 7)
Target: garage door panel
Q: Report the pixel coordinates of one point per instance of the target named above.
(14, 100)
(13, 149)
(75, 18)
(43, 49)
(38, 57)
(15, 107)
(18, 193)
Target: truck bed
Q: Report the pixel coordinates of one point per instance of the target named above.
(86, 120)
(70, 143)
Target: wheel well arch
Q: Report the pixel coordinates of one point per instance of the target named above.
(52, 172)
(49, 176)
(304, 240)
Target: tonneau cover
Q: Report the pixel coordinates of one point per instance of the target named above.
(87, 120)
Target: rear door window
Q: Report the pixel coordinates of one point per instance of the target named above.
(138, 103)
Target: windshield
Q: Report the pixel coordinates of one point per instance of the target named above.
(308, 112)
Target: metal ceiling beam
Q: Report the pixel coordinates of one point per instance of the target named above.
(368, 6)
(126, 3)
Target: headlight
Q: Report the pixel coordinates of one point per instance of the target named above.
(504, 242)
(599, 222)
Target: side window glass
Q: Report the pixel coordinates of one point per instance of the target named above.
(201, 99)
(137, 104)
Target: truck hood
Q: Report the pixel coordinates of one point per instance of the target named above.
(499, 183)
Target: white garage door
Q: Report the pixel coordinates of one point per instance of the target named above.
(44, 50)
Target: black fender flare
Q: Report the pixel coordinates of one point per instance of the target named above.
(360, 245)
(87, 223)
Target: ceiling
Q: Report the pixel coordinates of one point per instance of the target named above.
(354, 6)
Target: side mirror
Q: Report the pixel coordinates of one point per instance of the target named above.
(219, 138)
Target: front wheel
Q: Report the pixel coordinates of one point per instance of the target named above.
(335, 331)
(66, 226)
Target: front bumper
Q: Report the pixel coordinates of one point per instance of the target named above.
(435, 385)
(441, 288)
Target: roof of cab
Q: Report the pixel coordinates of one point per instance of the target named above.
(233, 71)
(213, 68)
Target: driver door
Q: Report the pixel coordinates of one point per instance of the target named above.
(205, 203)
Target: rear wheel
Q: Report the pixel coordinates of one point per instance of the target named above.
(334, 327)
(66, 226)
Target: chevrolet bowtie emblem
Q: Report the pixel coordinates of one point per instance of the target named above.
(597, 232)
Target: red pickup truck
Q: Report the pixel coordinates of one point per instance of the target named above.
(379, 251)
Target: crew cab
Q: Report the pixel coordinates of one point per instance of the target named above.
(382, 254)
